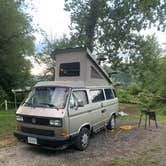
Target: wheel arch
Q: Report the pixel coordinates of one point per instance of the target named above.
(86, 125)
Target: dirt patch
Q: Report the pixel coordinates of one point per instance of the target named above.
(134, 147)
(7, 141)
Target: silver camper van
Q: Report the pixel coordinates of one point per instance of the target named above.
(82, 100)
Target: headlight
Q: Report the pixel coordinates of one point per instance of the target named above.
(56, 122)
(19, 118)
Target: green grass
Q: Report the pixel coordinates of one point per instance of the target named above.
(160, 112)
(7, 123)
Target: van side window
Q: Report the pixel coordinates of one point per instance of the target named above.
(81, 95)
(97, 95)
(109, 94)
(72, 101)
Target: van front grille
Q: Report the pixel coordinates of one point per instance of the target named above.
(36, 120)
(37, 131)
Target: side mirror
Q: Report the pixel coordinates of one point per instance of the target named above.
(80, 103)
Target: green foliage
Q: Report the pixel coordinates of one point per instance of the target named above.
(162, 78)
(16, 43)
(134, 88)
(161, 109)
(123, 95)
(145, 64)
(111, 27)
(3, 95)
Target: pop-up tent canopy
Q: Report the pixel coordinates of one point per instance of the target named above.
(78, 64)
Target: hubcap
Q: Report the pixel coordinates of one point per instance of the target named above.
(113, 122)
(85, 139)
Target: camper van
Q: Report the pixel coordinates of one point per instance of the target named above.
(80, 101)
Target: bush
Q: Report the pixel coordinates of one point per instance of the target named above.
(147, 99)
(134, 88)
(161, 109)
(123, 95)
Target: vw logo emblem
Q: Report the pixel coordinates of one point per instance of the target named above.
(33, 120)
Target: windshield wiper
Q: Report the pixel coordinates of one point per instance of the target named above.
(50, 105)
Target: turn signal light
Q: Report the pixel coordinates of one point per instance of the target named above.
(63, 133)
(18, 127)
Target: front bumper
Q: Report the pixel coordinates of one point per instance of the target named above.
(43, 140)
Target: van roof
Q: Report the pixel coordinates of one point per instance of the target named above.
(70, 84)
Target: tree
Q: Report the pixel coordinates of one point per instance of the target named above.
(16, 43)
(113, 26)
(145, 65)
(161, 84)
(51, 44)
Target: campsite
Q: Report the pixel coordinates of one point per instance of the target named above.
(82, 83)
(133, 147)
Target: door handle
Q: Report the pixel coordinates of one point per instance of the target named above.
(104, 110)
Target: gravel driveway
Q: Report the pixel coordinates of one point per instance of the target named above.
(134, 147)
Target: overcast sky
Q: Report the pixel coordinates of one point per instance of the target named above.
(51, 17)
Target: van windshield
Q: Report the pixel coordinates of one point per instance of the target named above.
(48, 97)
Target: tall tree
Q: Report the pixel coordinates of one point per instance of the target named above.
(113, 26)
(145, 65)
(16, 43)
(161, 81)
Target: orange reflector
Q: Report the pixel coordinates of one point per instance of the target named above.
(18, 126)
(63, 133)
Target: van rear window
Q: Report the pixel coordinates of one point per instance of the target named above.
(109, 94)
(97, 95)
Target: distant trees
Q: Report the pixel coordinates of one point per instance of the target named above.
(144, 65)
(16, 43)
(162, 77)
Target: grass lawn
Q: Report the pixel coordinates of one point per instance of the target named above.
(7, 123)
(134, 111)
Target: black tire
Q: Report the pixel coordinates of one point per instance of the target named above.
(112, 122)
(82, 140)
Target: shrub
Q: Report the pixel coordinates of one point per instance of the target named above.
(134, 88)
(123, 95)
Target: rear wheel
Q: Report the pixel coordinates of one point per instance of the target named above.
(82, 140)
(112, 123)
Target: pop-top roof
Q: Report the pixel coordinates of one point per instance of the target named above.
(87, 64)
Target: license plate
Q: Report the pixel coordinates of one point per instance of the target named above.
(32, 140)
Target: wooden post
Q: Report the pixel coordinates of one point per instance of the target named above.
(6, 106)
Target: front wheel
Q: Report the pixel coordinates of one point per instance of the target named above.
(112, 122)
(82, 140)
